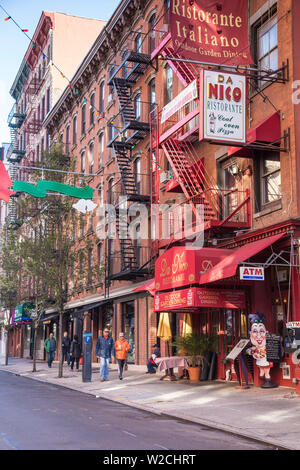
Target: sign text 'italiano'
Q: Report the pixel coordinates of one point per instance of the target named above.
(211, 31)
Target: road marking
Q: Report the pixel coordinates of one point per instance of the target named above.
(10, 442)
(129, 433)
(162, 447)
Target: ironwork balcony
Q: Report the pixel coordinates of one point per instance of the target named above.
(139, 191)
(135, 60)
(15, 155)
(15, 119)
(229, 208)
(126, 266)
(132, 123)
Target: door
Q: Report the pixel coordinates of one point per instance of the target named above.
(129, 328)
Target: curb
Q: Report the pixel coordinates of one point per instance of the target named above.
(191, 420)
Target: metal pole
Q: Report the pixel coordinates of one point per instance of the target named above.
(197, 62)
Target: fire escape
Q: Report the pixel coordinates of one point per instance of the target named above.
(221, 209)
(128, 128)
(15, 121)
(33, 123)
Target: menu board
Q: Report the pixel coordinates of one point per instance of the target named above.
(238, 348)
(273, 347)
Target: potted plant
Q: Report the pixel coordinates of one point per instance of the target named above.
(195, 347)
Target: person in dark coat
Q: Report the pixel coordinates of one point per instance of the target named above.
(104, 350)
(66, 345)
(75, 352)
(151, 365)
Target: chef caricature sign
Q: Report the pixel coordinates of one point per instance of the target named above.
(223, 107)
(258, 350)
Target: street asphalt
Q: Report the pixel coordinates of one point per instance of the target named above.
(35, 416)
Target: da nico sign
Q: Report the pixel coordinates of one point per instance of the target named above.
(223, 107)
(252, 273)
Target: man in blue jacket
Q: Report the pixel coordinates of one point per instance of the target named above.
(104, 349)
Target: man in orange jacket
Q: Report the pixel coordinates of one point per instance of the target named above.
(122, 348)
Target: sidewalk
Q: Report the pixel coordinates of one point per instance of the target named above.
(271, 416)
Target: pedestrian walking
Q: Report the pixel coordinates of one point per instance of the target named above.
(66, 345)
(122, 348)
(104, 350)
(151, 365)
(50, 346)
(75, 352)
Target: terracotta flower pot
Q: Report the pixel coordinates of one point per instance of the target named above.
(194, 373)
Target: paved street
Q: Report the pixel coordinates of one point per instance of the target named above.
(35, 415)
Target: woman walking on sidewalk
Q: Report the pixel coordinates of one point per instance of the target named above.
(75, 352)
(122, 348)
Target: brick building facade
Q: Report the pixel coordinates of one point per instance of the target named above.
(109, 120)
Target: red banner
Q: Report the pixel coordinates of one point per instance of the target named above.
(197, 297)
(211, 31)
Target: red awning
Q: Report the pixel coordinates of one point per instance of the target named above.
(267, 130)
(227, 267)
(148, 286)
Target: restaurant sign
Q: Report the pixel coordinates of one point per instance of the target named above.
(197, 297)
(207, 31)
(183, 266)
(223, 107)
(23, 312)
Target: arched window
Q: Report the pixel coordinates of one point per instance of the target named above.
(138, 42)
(110, 191)
(137, 174)
(101, 149)
(152, 33)
(152, 94)
(91, 157)
(92, 109)
(137, 107)
(83, 119)
(74, 130)
(168, 85)
(83, 161)
(68, 139)
(101, 97)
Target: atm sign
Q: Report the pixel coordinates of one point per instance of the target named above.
(252, 273)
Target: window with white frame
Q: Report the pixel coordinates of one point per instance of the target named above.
(267, 45)
(267, 178)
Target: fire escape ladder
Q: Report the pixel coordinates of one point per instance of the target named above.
(188, 177)
(123, 90)
(124, 167)
(210, 187)
(186, 73)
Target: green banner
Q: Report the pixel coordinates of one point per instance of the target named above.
(40, 190)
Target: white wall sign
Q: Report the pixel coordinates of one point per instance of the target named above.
(189, 94)
(3, 339)
(252, 273)
(224, 107)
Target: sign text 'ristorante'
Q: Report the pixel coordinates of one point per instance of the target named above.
(210, 31)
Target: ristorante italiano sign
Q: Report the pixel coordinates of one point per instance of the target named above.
(211, 31)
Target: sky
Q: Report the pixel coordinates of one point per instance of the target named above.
(13, 43)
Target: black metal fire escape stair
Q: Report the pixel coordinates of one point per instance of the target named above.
(122, 146)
